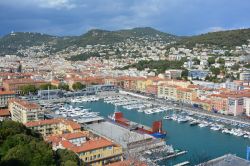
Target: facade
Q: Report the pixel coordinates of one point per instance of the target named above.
(173, 74)
(197, 74)
(98, 152)
(23, 111)
(94, 152)
(4, 114)
(247, 106)
(54, 126)
(245, 75)
(5, 96)
(235, 105)
(16, 84)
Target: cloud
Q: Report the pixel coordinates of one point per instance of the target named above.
(51, 4)
(74, 17)
(57, 4)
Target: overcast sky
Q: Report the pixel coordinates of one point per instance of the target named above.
(75, 17)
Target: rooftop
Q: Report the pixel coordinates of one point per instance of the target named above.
(7, 93)
(73, 124)
(117, 133)
(227, 160)
(92, 144)
(25, 104)
(4, 112)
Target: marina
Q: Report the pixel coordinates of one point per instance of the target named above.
(202, 142)
(178, 123)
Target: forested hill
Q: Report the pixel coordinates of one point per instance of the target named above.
(221, 39)
(14, 42)
(10, 43)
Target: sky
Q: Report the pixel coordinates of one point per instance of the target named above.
(75, 17)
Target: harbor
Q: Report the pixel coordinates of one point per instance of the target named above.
(95, 111)
(202, 143)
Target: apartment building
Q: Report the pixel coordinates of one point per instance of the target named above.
(16, 84)
(5, 96)
(54, 126)
(23, 111)
(94, 152)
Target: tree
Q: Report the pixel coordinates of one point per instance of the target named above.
(63, 86)
(184, 73)
(235, 67)
(221, 61)
(20, 145)
(211, 60)
(47, 86)
(66, 157)
(27, 89)
(214, 70)
(196, 61)
(78, 86)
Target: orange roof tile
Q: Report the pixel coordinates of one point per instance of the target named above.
(7, 93)
(25, 103)
(73, 124)
(4, 112)
(92, 144)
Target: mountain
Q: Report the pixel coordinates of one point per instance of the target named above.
(10, 43)
(98, 36)
(228, 39)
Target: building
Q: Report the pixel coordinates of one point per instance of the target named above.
(16, 84)
(247, 106)
(4, 114)
(5, 96)
(197, 74)
(59, 141)
(50, 94)
(97, 151)
(245, 75)
(173, 74)
(235, 105)
(54, 126)
(226, 160)
(23, 111)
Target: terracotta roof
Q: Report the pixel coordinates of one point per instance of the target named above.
(70, 136)
(92, 144)
(7, 93)
(67, 144)
(23, 81)
(4, 112)
(25, 103)
(73, 124)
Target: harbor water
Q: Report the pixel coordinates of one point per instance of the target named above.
(202, 144)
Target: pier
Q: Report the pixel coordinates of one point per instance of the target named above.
(171, 156)
(183, 163)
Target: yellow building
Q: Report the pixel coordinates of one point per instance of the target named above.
(94, 152)
(141, 84)
(167, 91)
(54, 126)
(99, 152)
(185, 95)
(23, 111)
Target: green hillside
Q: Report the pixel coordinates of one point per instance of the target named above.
(228, 39)
(10, 43)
